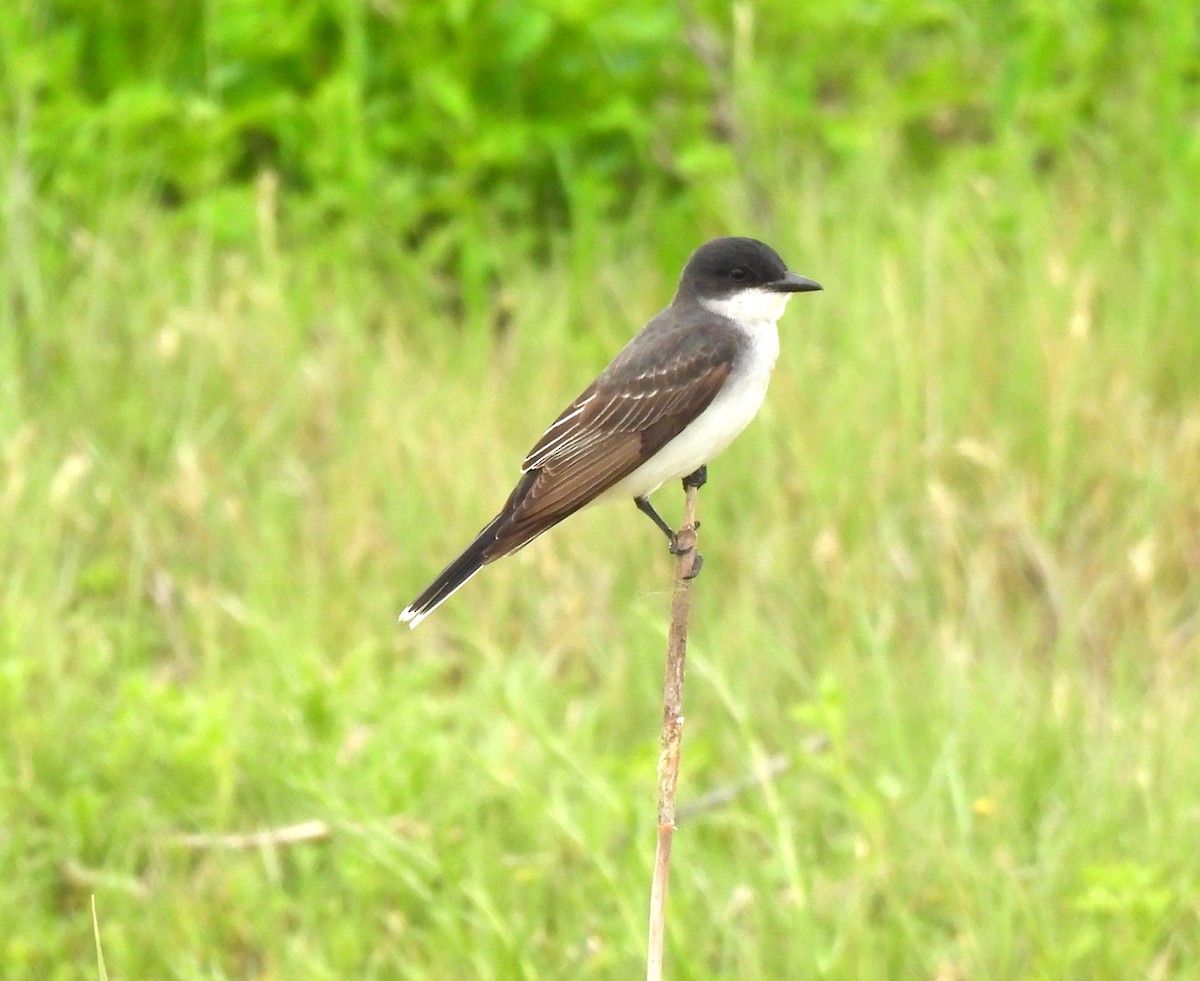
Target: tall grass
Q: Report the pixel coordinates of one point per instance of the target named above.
(959, 547)
(951, 571)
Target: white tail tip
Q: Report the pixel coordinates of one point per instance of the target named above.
(412, 617)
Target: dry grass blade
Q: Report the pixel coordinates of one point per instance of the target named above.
(101, 970)
(686, 566)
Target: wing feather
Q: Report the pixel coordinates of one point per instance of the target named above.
(622, 419)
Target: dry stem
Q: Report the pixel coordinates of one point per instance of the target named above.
(672, 731)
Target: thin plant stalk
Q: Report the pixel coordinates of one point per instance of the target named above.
(687, 564)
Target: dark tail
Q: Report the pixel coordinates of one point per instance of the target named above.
(511, 530)
(453, 576)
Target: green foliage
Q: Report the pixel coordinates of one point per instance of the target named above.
(952, 569)
(440, 123)
(424, 115)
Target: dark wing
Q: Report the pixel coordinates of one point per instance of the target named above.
(636, 406)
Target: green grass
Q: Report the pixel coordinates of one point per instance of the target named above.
(961, 545)
(273, 340)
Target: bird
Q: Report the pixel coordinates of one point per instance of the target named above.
(673, 398)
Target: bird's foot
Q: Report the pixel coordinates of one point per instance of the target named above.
(679, 541)
(684, 542)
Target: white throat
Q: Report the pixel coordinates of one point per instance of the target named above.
(753, 306)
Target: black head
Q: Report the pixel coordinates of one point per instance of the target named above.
(728, 266)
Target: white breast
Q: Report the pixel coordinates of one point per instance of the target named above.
(727, 415)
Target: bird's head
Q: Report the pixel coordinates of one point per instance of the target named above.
(740, 278)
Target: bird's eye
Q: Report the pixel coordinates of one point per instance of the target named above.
(739, 273)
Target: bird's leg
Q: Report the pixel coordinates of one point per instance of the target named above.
(644, 505)
(696, 479)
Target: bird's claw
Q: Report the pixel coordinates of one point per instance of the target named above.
(684, 542)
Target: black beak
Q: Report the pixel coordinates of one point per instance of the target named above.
(793, 283)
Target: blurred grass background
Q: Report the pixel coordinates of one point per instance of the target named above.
(266, 266)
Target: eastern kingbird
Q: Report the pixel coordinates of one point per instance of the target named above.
(673, 398)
